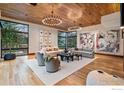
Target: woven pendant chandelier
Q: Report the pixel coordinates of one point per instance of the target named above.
(52, 19)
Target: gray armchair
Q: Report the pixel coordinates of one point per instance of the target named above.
(40, 59)
(52, 65)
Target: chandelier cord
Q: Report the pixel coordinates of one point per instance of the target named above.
(74, 23)
(52, 9)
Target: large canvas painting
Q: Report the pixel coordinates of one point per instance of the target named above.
(87, 41)
(108, 41)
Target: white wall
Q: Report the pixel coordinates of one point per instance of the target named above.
(34, 31)
(111, 20)
(34, 34)
(108, 22)
(54, 38)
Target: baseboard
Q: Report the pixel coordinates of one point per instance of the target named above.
(110, 55)
(31, 54)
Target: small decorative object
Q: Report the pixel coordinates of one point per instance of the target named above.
(66, 51)
(76, 48)
(69, 51)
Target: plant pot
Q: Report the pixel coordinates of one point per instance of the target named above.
(9, 56)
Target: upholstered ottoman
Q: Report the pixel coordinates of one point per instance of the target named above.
(9, 56)
(102, 78)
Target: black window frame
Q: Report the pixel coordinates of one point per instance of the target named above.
(17, 32)
(73, 38)
(66, 39)
(62, 37)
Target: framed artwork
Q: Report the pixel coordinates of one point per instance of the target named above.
(87, 41)
(108, 41)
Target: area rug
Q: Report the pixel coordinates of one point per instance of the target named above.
(65, 70)
(99, 77)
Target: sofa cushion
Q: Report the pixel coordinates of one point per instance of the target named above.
(55, 49)
(50, 51)
(88, 50)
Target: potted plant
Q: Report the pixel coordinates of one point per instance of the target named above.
(9, 40)
(52, 64)
(48, 58)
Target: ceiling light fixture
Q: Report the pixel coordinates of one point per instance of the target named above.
(52, 19)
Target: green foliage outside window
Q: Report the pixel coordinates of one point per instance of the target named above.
(12, 38)
(67, 40)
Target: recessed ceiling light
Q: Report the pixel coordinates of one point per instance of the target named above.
(122, 27)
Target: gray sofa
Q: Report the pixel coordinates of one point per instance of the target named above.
(86, 53)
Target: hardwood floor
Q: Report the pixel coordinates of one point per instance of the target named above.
(16, 72)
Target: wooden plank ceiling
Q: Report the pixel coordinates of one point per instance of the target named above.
(84, 14)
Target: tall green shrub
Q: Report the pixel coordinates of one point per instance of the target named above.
(9, 36)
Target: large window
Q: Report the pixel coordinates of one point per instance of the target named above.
(71, 40)
(62, 39)
(67, 40)
(14, 38)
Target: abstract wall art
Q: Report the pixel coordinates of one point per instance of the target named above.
(87, 41)
(108, 41)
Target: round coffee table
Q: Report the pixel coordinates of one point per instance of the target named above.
(78, 55)
(67, 56)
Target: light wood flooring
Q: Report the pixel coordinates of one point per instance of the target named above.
(16, 72)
